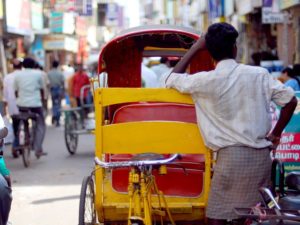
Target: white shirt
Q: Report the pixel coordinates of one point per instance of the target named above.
(160, 69)
(149, 77)
(233, 103)
(2, 125)
(9, 93)
(28, 83)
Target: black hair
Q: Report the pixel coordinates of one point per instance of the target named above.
(288, 70)
(220, 41)
(29, 63)
(291, 73)
(296, 70)
(55, 64)
(163, 60)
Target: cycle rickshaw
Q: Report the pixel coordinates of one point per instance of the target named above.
(138, 178)
(78, 120)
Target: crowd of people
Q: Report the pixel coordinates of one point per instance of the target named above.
(26, 90)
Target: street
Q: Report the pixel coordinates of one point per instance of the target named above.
(48, 191)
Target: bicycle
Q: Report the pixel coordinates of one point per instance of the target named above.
(142, 188)
(26, 134)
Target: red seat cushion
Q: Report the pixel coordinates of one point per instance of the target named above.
(155, 111)
(191, 180)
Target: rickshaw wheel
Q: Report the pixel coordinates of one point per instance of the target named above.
(71, 138)
(87, 211)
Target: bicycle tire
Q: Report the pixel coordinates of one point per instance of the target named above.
(71, 139)
(26, 156)
(25, 147)
(87, 211)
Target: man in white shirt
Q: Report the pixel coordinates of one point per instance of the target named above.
(9, 99)
(29, 90)
(232, 105)
(148, 77)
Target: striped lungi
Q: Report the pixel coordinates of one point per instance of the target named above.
(238, 174)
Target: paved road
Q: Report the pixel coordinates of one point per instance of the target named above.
(47, 193)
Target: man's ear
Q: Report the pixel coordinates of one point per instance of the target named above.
(234, 51)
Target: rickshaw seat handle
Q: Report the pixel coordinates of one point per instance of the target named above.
(121, 164)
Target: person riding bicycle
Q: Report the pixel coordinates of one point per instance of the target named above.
(233, 113)
(5, 182)
(28, 86)
(10, 104)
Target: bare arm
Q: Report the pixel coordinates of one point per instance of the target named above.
(186, 59)
(285, 116)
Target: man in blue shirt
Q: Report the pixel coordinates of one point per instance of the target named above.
(289, 79)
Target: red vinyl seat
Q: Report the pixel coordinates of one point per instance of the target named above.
(178, 182)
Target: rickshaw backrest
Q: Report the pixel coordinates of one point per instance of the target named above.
(155, 111)
(145, 136)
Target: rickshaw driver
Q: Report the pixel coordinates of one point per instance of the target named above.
(232, 104)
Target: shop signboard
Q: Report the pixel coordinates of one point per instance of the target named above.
(38, 51)
(60, 42)
(37, 15)
(244, 7)
(56, 22)
(62, 22)
(284, 4)
(288, 150)
(271, 13)
(216, 9)
(18, 16)
(81, 26)
(84, 7)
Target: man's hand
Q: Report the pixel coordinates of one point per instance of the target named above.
(275, 141)
(8, 180)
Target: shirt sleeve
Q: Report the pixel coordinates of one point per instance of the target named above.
(278, 92)
(188, 84)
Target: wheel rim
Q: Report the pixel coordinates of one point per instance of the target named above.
(71, 138)
(89, 212)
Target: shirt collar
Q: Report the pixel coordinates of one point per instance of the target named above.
(225, 64)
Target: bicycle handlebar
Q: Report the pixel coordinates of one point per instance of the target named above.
(135, 163)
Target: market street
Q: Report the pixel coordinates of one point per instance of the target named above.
(48, 191)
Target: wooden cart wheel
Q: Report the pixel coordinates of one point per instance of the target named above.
(87, 211)
(71, 138)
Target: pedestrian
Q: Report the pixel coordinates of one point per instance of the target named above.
(68, 72)
(289, 79)
(10, 103)
(5, 181)
(161, 68)
(79, 80)
(29, 91)
(57, 84)
(149, 79)
(46, 88)
(232, 104)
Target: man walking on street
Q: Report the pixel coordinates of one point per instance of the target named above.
(28, 86)
(10, 104)
(233, 113)
(56, 79)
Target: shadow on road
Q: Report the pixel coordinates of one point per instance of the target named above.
(50, 200)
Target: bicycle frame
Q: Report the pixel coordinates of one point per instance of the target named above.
(141, 187)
